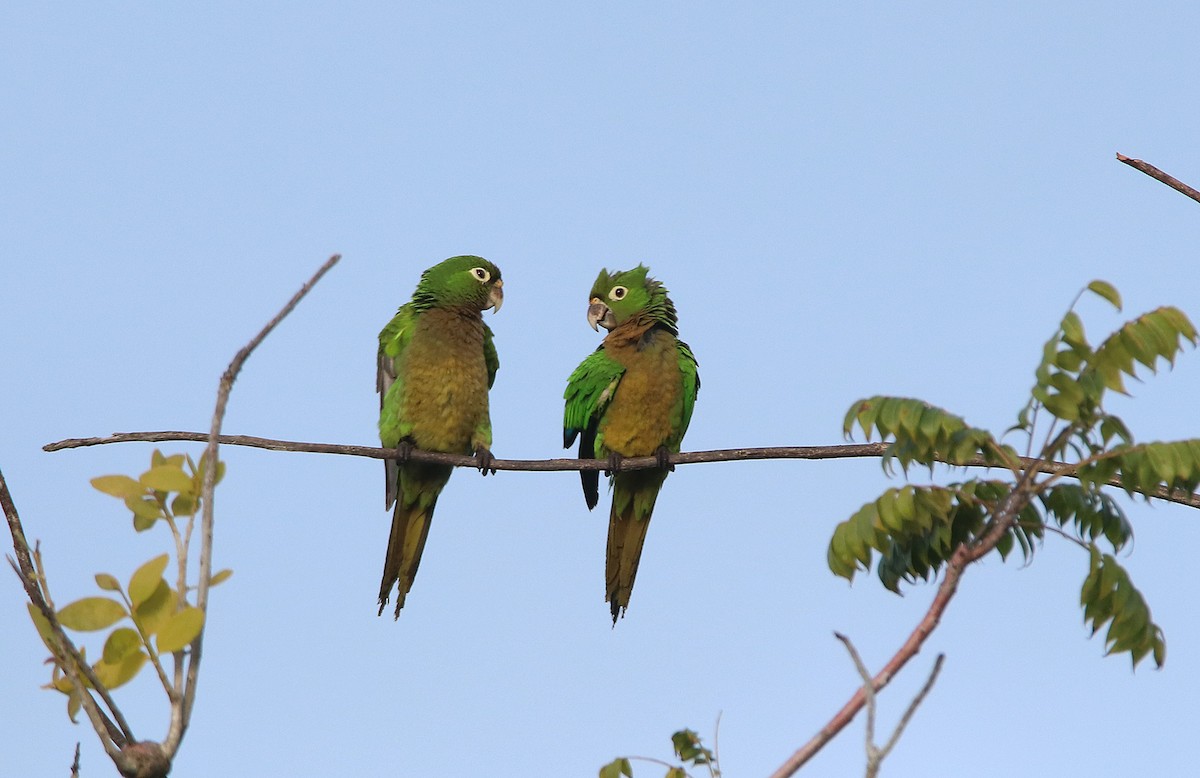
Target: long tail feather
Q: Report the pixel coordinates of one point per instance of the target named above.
(634, 495)
(410, 528)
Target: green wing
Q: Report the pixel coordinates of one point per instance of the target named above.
(393, 339)
(589, 391)
(490, 357)
(691, 385)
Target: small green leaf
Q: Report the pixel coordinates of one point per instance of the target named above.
(220, 576)
(121, 643)
(118, 486)
(114, 674)
(179, 629)
(616, 768)
(145, 508)
(155, 608)
(74, 703)
(146, 579)
(40, 623)
(183, 505)
(167, 478)
(107, 582)
(1107, 291)
(91, 613)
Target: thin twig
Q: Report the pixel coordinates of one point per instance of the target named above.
(114, 735)
(868, 689)
(1159, 175)
(75, 764)
(179, 723)
(912, 707)
(847, 451)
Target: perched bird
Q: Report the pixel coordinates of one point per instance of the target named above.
(633, 396)
(436, 364)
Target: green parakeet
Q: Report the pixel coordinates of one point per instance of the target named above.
(632, 397)
(436, 364)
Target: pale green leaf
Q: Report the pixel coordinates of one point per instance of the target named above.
(91, 613)
(179, 629)
(220, 576)
(1107, 291)
(155, 608)
(107, 582)
(146, 579)
(121, 643)
(167, 478)
(118, 486)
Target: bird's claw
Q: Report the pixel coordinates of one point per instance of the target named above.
(664, 459)
(614, 463)
(404, 450)
(483, 460)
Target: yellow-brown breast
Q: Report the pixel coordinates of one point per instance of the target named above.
(445, 381)
(639, 419)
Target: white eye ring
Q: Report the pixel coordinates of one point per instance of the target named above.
(481, 274)
(618, 293)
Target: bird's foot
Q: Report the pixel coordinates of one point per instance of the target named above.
(664, 459)
(614, 463)
(483, 460)
(404, 450)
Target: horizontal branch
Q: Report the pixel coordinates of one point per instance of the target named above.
(845, 451)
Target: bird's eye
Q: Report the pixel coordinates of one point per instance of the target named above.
(481, 274)
(618, 293)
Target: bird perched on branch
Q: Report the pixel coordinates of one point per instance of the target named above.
(436, 364)
(631, 397)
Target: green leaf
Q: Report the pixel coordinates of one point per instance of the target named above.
(114, 674)
(616, 768)
(184, 505)
(179, 629)
(121, 643)
(168, 478)
(91, 613)
(146, 578)
(42, 625)
(155, 608)
(220, 576)
(1107, 291)
(144, 508)
(118, 486)
(107, 582)
(74, 704)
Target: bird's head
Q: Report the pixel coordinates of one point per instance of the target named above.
(467, 281)
(621, 295)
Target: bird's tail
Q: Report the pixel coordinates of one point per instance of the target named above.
(411, 518)
(634, 495)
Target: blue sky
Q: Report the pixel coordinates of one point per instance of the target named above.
(844, 199)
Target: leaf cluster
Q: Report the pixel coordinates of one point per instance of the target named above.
(160, 619)
(689, 749)
(911, 532)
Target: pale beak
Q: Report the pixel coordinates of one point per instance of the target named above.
(496, 296)
(599, 313)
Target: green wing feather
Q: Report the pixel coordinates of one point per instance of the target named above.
(691, 386)
(490, 357)
(393, 339)
(589, 391)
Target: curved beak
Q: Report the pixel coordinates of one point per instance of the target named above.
(496, 296)
(599, 313)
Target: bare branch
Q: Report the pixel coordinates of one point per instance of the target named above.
(179, 723)
(912, 706)
(962, 557)
(1159, 175)
(846, 451)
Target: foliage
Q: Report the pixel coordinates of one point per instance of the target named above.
(162, 619)
(689, 748)
(913, 531)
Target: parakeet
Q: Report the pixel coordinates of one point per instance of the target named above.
(633, 396)
(437, 361)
